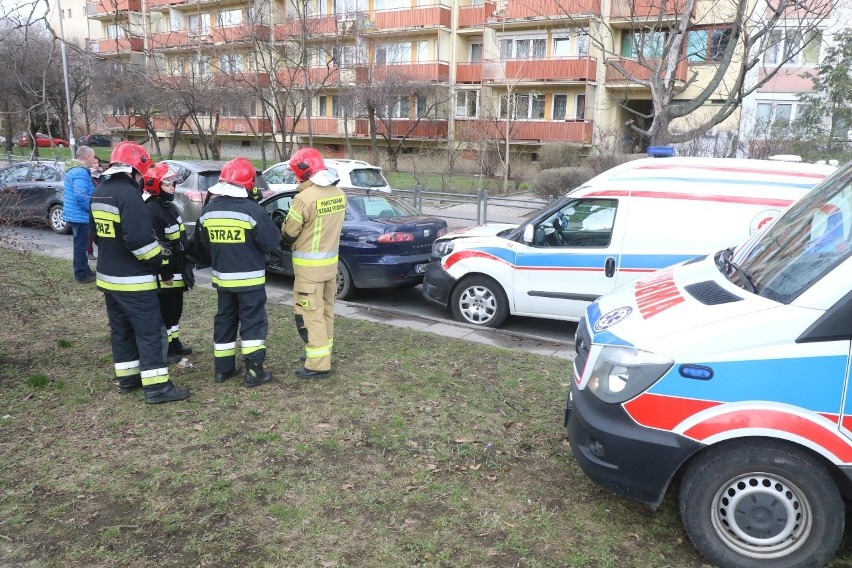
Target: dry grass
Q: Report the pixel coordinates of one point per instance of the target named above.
(420, 451)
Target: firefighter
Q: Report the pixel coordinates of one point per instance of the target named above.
(158, 194)
(129, 257)
(312, 229)
(236, 233)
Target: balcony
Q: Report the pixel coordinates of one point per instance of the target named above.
(636, 72)
(315, 76)
(469, 72)
(243, 33)
(180, 39)
(120, 45)
(123, 122)
(437, 71)
(578, 131)
(318, 25)
(546, 69)
(415, 17)
(430, 129)
(159, 4)
(534, 9)
(644, 10)
(237, 125)
(320, 126)
(475, 16)
(104, 7)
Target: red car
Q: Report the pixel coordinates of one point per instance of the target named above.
(42, 141)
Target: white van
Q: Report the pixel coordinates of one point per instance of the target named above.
(731, 373)
(628, 221)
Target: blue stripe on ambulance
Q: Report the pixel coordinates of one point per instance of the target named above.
(593, 314)
(814, 383)
(583, 260)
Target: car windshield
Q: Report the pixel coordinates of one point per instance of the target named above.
(376, 206)
(801, 246)
(367, 178)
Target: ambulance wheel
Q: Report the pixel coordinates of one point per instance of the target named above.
(761, 504)
(481, 301)
(345, 288)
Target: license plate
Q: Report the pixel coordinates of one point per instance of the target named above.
(420, 268)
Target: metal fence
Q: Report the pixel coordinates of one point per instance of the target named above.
(473, 207)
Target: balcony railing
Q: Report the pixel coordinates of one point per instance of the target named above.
(315, 76)
(416, 17)
(319, 125)
(234, 125)
(475, 16)
(400, 127)
(547, 8)
(113, 6)
(546, 69)
(427, 71)
(578, 131)
(120, 45)
(245, 32)
(123, 122)
(646, 9)
(637, 72)
(469, 72)
(313, 25)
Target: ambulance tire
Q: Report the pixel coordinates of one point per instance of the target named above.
(737, 498)
(479, 300)
(345, 288)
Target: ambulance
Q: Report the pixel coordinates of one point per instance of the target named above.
(728, 377)
(629, 221)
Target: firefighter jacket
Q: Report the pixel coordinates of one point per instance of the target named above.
(313, 224)
(171, 232)
(237, 233)
(129, 254)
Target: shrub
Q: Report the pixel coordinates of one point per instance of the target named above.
(559, 181)
(603, 162)
(560, 155)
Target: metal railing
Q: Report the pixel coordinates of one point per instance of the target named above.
(470, 207)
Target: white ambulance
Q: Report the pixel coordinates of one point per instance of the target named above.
(629, 221)
(731, 374)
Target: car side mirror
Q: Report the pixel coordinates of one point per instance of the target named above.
(528, 234)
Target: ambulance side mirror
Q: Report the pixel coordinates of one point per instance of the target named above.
(528, 234)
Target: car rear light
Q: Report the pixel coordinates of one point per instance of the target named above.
(395, 237)
(194, 196)
(441, 232)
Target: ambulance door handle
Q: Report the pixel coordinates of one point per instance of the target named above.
(609, 267)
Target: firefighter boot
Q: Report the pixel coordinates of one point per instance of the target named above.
(164, 392)
(222, 377)
(178, 348)
(304, 373)
(256, 375)
(127, 385)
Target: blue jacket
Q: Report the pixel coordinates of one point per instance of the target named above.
(78, 192)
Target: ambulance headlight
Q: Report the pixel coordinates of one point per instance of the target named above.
(620, 373)
(440, 249)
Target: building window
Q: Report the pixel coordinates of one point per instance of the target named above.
(791, 47)
(648, 43)
(524, 106)
(323, 102)
(421, 107)
(335, 106)
(230, 63)
(399, 109)
(467, 104)
(232, 110)
(707, 45)
(582, 43)
(119, 109)
(344, 55)
(393, 53)
(345, 9)
(197, 24)
(561, 47)
(176, 65)
(775, 114)
(523, 48)
(228, 18)
(201, 65)
(475, 52)
(113, 31)
(560, 107)
(580, 107)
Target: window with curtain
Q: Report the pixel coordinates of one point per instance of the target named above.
(560, 107)
(561, 46)
(524, 106)
(648, 43)
(230, 63)
(227, 18)
(580, 107)
(467, 104)
(523, 48)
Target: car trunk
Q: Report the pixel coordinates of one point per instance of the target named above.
(424, 229)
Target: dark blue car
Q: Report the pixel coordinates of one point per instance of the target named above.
(385, 242)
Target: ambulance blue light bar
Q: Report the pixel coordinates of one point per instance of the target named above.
(699, 372)
(660, 151)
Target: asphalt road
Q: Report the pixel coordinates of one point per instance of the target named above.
(406, 301)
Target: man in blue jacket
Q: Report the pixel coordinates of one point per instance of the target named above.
(76, 198)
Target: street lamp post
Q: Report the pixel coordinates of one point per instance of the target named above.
(72, 142)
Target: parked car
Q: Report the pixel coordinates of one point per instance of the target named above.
(42, 141)
(353, 174)
(93, 140)
(385, 242)
(191, 191)
(32, 192)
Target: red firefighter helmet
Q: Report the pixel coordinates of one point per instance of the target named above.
(239, 171)
(156, 175)
(131, 154)
(305, 163)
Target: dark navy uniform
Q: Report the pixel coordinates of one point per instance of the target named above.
(237, 233)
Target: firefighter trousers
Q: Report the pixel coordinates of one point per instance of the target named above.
(314, 312)
(138, 338)
(245, 311)
(171, 309)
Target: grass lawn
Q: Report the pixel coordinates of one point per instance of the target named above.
(419, 451)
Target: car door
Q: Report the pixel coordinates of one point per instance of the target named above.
(570, 261)
(281, 259)
(13, 180)
(40, 190)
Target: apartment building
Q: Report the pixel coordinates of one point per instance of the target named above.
(437, 73)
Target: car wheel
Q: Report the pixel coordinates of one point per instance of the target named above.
(57, 223)
(60, 145)
(761, 504)
(345, 288)
(480, 300)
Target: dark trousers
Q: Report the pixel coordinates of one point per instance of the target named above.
(245, 311)
(81, 241)
(171, 308)
(138, 337)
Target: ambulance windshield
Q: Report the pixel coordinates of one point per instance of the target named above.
(808, 241)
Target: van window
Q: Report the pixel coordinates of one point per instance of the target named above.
(802, 246)
(580, 223)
